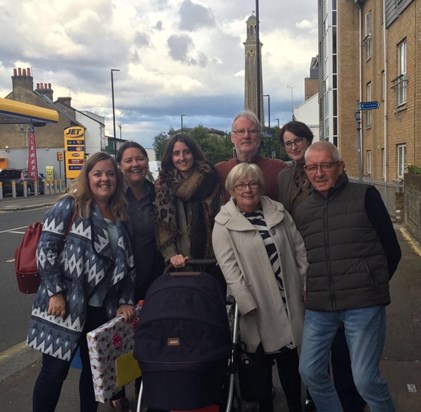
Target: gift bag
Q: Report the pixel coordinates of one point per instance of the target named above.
(110, 353)
(127, 369)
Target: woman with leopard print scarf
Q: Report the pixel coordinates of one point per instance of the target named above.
(189, 197)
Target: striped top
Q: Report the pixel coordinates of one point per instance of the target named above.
(257, 219)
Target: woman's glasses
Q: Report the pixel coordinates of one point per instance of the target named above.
(242, 186)
(297, 141)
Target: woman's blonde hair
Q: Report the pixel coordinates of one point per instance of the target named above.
(242, 170)
(82, 194)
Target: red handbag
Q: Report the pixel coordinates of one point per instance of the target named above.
(25, 259)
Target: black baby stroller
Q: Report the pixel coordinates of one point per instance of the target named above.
(183, 341)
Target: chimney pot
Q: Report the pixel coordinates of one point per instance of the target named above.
(28, 70)
(15, 72)
(19, 71)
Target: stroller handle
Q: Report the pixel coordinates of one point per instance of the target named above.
(192, 262)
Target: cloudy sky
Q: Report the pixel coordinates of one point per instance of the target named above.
(175, 57)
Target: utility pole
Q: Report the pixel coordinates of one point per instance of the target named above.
(112, 97)
(258, 65)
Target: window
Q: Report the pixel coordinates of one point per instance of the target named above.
(401, 149)
(367, 42)
(368, 114)
(368, 163)
(400, 83)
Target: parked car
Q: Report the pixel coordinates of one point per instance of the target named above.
(7, 176)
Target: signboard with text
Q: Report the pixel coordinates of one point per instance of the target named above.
(373, 105)
(32, 155)
(74, 148)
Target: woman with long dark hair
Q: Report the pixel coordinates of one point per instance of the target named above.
(187, 202)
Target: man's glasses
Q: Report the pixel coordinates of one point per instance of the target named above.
(297, 141)
(326, 167)
(243, 132)
(242, 186)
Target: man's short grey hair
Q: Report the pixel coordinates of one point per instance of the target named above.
(248, 114)
(324, 146)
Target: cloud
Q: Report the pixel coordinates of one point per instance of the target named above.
(194, 16)
(174, 57)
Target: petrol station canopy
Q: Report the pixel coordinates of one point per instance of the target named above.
(12, 112)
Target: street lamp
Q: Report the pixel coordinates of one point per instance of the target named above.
(268, 96)
(258, 63)
(182, 125)
(112, 97)
(357, 117)
(269, 132)
(278, 122)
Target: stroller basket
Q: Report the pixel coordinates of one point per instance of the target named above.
(183, 341)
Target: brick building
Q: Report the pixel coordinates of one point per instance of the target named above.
(49, 138)
(368, 51)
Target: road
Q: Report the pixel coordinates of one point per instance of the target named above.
(401, 362)
(15, 307)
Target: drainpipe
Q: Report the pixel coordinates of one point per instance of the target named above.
(385, 94)
(358, 113)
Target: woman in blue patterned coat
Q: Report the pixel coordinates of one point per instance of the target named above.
(86, 267)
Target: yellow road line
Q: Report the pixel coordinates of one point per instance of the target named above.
(412, 242)
(12, 351)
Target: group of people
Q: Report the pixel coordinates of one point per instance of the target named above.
(306, 254)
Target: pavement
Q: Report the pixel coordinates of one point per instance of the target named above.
(400, 366)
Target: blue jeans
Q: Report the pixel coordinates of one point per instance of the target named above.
(365, 331)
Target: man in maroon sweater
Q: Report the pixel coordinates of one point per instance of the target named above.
(246, 136)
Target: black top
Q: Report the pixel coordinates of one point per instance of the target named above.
(148, 263)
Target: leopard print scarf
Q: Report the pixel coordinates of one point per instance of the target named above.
(204, 192)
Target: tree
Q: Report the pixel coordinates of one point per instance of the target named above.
(159, 144)
(215, 145)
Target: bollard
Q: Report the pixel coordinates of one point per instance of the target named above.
(36, 188)
(25, 188)
(13, 189)
(1, 190)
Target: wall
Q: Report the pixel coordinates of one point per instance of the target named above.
(412, 202)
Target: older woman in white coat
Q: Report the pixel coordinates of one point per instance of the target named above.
(263, 259)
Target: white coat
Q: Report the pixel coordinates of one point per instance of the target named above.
(242, 256)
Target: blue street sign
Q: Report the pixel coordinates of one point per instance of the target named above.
(369, 105)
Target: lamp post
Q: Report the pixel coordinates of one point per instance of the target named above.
(268, 96)
(269, 131)
(258, 64)
(357, 117)
(182, 124)
(278, 122)
(112, 97)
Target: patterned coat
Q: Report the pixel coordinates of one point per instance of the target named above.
(74, 260)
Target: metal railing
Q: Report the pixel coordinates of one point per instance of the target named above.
(387, 190)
